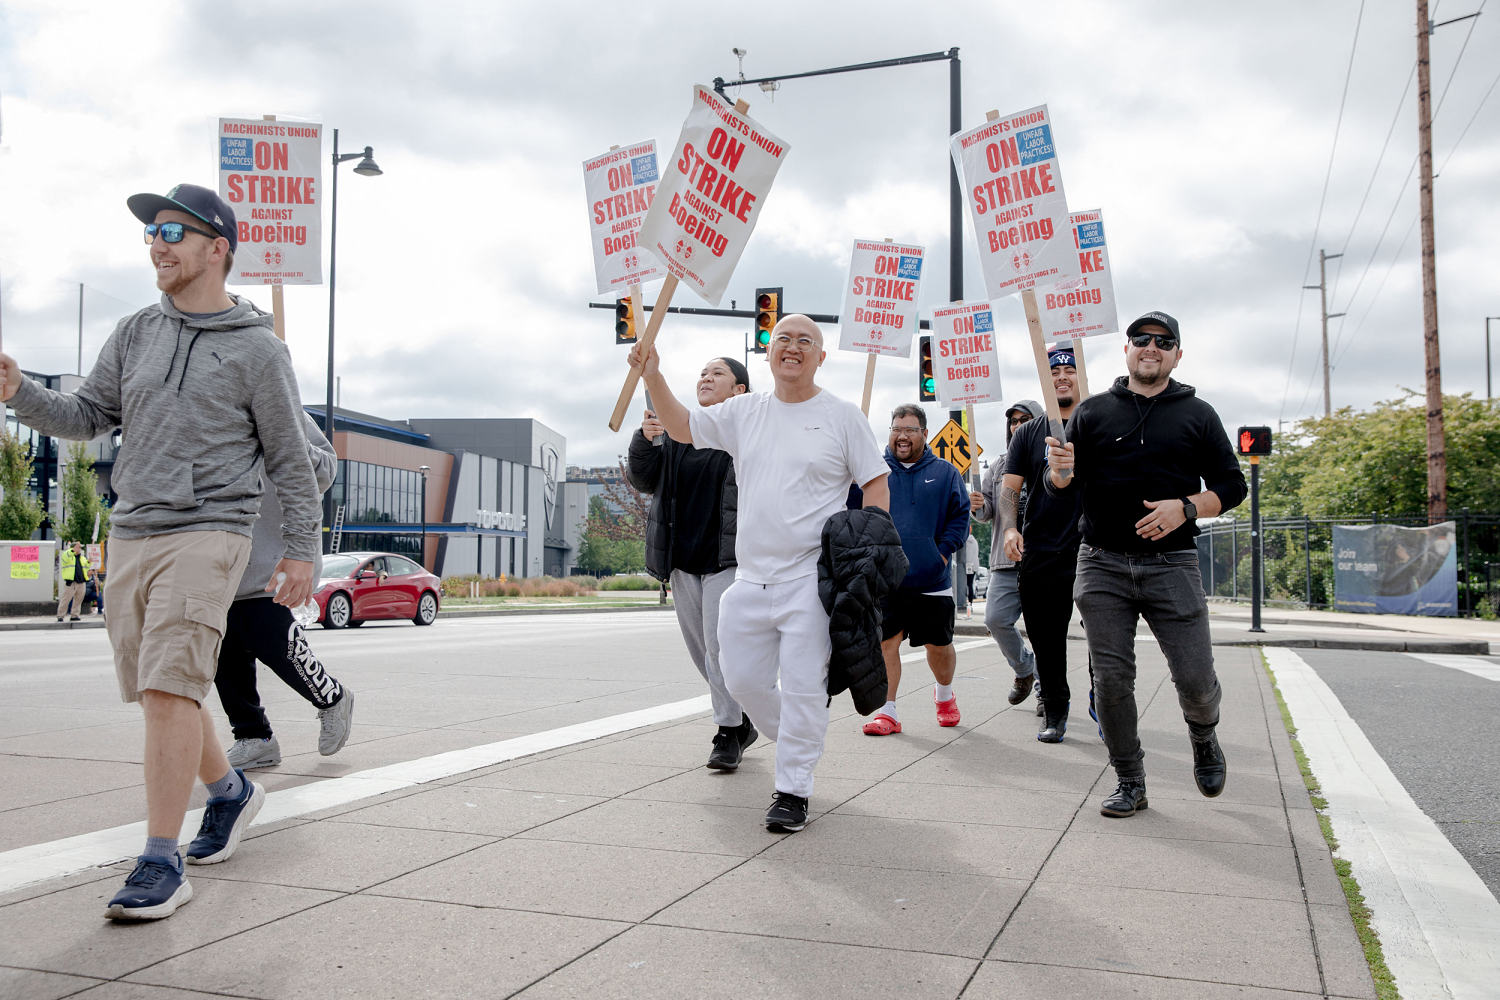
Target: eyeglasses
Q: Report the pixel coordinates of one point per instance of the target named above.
(910, 432)
(785, 340)
(1017, 421)
(1165, 341)
(171, 232)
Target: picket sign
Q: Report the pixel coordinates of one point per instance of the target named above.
(864, 404)
(647, 339)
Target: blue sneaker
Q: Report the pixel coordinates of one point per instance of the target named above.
(154, 890)
(224, 822)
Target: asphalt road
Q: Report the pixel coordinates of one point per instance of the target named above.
(1435, 727)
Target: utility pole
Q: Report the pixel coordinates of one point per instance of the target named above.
(1322, 287)
(1437, 456)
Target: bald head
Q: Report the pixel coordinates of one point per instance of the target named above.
(796, 324)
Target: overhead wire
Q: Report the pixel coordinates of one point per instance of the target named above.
(1322, 202)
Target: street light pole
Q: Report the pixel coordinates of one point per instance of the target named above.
(1488, 395)
(366, 168)
(424, 469)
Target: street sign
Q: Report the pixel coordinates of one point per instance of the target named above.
(952, 445)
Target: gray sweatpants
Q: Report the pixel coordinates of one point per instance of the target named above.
(696, 598)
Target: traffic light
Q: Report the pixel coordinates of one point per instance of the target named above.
(1255, 441)
(926, 382)
(767, 315)
(624, 321)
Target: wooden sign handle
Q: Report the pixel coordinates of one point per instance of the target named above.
(973, 446)
(869, 383)
(1043, 371)
(1083, 376)
(645, 342)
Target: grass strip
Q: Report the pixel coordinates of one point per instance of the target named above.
(1359, 912)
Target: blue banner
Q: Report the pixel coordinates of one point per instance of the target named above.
(1387, 569)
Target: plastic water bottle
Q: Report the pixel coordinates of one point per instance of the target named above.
(305, 614)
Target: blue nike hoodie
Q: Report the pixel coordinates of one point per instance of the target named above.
(930, 506)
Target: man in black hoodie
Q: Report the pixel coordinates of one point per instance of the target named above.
(1140, 453)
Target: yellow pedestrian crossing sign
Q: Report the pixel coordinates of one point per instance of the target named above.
(952, 445)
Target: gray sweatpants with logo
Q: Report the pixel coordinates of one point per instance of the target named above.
(696, 599)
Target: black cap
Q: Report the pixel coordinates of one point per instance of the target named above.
(1156, 318)
(196, 201)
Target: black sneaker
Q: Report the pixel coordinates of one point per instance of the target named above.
(1209, 770)
(1053, 728)
(1020, 690)
(727, 750)
(788, 813)
(1128, 799)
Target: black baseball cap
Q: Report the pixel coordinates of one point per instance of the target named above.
(196, 201)
(1156, 318)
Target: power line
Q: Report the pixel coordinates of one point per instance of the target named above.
(1323, 198)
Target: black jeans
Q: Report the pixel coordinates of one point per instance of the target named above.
(1114, 591)
(1046, 580)
(260, 629)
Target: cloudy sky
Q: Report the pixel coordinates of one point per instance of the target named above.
(1203, 131)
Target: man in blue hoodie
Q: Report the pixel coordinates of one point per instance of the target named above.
(931, 509)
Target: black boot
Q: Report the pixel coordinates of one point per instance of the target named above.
(1129, 797)
(1209, 770)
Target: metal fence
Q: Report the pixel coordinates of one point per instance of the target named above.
(1298, 559)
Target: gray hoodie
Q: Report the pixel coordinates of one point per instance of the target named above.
(206, 406)
(986, 512)
(266, 547)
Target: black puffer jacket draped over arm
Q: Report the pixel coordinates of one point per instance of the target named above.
(860, 564)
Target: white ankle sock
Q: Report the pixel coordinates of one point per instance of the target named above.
(889, 708)
(944, 692)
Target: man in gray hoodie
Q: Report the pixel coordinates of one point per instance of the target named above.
(207, 401)
(1002, 602)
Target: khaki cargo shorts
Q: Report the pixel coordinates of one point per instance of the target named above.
(168, 597)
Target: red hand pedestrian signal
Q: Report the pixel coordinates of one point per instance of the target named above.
(1255, 441)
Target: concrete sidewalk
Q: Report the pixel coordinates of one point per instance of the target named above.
(939, 863)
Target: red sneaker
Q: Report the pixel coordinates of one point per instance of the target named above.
(947, 711)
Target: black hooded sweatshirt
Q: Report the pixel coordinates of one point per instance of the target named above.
(1131, 448)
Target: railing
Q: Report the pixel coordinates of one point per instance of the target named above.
(1298, 554)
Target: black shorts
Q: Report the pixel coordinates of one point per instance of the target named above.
(927, 619)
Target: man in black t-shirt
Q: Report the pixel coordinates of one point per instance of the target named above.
(1046, 546)
(1150, 457)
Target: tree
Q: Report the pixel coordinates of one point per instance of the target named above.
(81, 500)
(606, 547)
(1374, 461)
(20, 513)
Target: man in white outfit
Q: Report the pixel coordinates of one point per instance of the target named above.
(796, 451)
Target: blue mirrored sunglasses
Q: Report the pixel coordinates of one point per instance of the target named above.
(172, 232)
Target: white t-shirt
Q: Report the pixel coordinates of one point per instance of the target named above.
(794, 463)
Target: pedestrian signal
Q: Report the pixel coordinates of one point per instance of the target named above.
(926, 381)
(624, 321)
(767, 315)
(1255, 441)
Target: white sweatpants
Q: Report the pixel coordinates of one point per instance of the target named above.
(771, 631)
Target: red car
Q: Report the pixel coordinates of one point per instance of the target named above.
(357, 587)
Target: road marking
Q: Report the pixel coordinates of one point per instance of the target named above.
(38, 862)
(1437, 921)
(1478, 666)
(25, 865)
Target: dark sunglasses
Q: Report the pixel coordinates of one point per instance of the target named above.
(1165, 341)
(171, 232)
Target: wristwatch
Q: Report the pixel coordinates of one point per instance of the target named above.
(1189, 511)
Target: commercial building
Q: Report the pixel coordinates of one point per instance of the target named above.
(484, 496)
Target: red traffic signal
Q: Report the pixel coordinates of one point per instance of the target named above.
(1254, 441)
(926, 381)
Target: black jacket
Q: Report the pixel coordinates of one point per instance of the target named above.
(678, 476)
(1130, 448)
(860, 564)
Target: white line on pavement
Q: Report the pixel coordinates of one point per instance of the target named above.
(1479, 667)
(36, 862)
(1437, 921)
